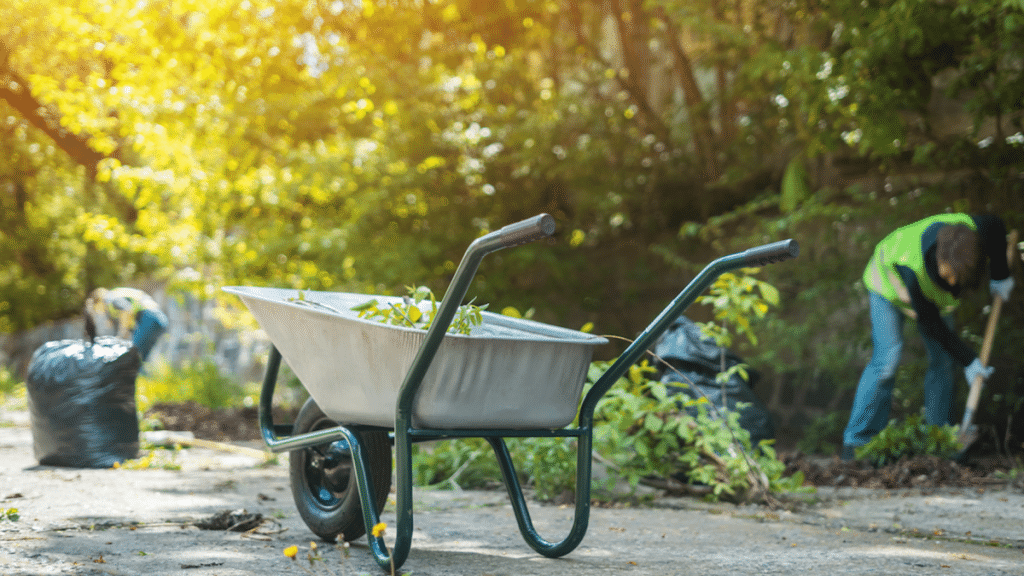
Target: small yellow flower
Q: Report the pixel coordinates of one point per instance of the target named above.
(312, 545)
(291, 551)
(379, 529)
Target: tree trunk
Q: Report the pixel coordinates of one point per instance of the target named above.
(697, 109)
(638, 92)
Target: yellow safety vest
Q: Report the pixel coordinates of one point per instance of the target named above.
(903, 247)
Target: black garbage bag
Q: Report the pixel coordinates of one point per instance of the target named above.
(694, 361)
(81, 399)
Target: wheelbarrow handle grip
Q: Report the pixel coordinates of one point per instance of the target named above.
(770, 253)
(540, 226)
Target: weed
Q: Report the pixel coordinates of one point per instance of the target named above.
(646, 432)
(413, 312)
(912, 437)
(317, 562)
(199, 381)
(150, 459)
(818, 437)
(8, 382)
(1015, 475)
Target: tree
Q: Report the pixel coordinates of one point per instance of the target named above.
(363, 145)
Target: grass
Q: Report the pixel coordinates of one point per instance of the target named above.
(13, 395)
(199, 380)
(9, 383)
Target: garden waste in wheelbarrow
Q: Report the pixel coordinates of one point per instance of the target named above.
(526, 383)
(507, 373)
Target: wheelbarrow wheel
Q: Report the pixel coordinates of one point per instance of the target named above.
(323, 480)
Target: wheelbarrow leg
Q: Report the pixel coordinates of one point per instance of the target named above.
(581, 516)
(364, 484)
(403, 502)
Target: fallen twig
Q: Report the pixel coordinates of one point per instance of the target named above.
(183, 440)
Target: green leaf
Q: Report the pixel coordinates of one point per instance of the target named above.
(794, 185)
(652, 423)
(769, 293)
(366, 306)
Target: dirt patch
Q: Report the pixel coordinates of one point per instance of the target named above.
(916, 472)
(223, 425)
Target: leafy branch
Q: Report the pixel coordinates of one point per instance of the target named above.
(412, 314)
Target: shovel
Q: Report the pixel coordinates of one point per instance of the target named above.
(968, 430)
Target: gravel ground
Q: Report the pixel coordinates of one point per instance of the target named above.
(144, 521)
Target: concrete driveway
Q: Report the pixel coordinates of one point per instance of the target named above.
(127, 521)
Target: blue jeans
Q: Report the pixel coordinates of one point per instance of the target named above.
(871, 404)
(149, 326)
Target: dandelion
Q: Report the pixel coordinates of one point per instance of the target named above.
(377, 532)
(292, 553)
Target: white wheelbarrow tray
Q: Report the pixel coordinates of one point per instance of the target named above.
(508, 373)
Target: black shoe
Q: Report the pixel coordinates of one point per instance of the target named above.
(847, 453)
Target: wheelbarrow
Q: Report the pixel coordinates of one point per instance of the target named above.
(373, 386)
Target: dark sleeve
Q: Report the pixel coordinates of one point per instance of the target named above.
(929, 320)
(992, 237)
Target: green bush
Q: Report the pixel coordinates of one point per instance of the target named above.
(454, 464)
(645, 432)
(548, 465)
(819, 436)
(8, 382)
(912, 437)
(640, 431)
(199, 381)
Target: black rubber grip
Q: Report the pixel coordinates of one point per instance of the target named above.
(770, 253)
(540, 226)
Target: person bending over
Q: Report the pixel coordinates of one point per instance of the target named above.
(921, 271)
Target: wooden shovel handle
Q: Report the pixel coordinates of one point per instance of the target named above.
(990, 331)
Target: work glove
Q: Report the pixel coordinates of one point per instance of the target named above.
(1002, 288)
(977, 369)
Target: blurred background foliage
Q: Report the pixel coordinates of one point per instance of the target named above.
(360, 145)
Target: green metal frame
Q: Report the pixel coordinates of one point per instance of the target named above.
(279, 438)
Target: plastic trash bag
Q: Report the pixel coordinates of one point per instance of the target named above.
(695, 358)
(81, 399)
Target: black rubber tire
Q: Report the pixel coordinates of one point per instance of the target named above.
(327, 497)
